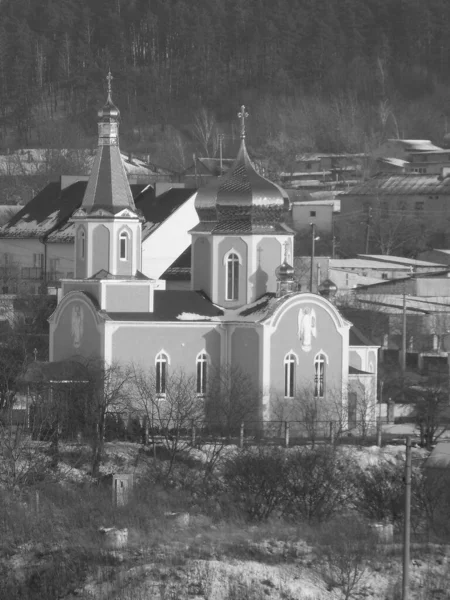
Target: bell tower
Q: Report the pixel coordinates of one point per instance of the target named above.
(107, 225)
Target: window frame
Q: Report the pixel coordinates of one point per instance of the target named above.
(320, 369)
(290, 367)
(232, 262)
(162, 361)
(201, 372)
(123, 237)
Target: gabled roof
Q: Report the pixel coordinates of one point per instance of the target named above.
(400, 184)
(49, 213)
(156, 209)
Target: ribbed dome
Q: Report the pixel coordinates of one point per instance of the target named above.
(242, 195)
(284, 272)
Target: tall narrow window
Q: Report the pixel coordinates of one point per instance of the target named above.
(161, 373)
(123, 245)
(82, 244)
(319, 375)
(202, 368)
(232, 267)
(289, 375)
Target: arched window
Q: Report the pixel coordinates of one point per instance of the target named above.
(290, 361)
(82, 242)
(202, 373)
(162, 360)
(123, 246)
(232, 274)
(319, 375)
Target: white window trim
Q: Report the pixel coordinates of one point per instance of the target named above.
(225, 262)
(167, 362)
(207, 361)
(124, 235)
(325, 363)
(286, 362)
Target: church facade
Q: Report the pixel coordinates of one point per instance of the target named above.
(242, 312)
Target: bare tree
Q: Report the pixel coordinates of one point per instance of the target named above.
(232, 397)
(170, 415)
(206, 132)
(431, 408)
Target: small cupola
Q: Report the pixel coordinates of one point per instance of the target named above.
(285, 279)
(108, 120)
(328, 289)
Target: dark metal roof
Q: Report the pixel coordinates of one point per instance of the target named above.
(156, 209)
(180, 269)
(357, 338)
(48, 213)
(400, 184)
(108, 187)
(355, 371)
(170, 304)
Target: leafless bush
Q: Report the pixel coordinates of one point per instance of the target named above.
(431, 501)
(22, 461)
(379, 490)
(256, 478)
(344, 549)
(317, 484)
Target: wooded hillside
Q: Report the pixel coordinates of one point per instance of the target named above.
(342, 71)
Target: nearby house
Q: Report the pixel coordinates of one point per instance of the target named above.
(378, 311)
(411, 156)
(37, 244)
(420, 199)
(324, 170)
(241, 311)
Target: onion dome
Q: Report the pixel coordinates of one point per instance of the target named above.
(328, 289)
(242, 195)
(284, 272)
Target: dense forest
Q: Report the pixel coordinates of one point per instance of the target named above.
(324, 75)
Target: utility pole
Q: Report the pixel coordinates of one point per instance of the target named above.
(403, 359)
(369, 219)
(407, 521)
(313, 248)
(221, 136)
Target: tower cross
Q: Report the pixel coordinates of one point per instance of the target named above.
(242, 116)
(109, 78)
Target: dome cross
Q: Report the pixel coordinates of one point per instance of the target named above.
(109, 79)
(242, 116)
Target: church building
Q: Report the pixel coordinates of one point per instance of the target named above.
(243, 309)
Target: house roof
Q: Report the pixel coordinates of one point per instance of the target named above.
(399, 260)
(171, 305)
(401, 184)
(48, 213)
(180, 269)
(357, 338)
(156, 209)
